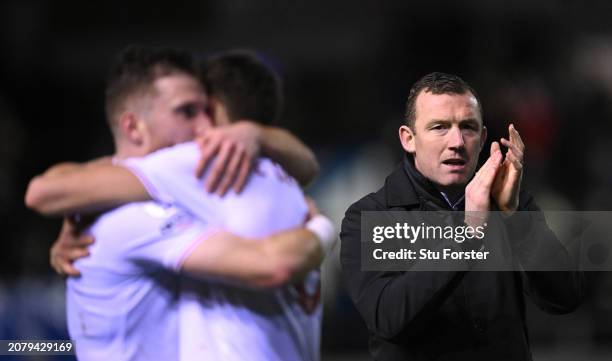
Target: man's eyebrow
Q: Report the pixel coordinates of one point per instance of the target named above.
(437, 121)
(188, 103)
(472, 121)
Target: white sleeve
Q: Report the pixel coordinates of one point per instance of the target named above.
(142, 234)
(171, 250)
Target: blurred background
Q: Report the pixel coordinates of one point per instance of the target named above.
(544, 65)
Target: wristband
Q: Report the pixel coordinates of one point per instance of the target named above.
(325, 231)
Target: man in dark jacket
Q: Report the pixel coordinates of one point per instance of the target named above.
(455, 315)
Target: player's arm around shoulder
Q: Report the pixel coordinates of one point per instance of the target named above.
(82, 187)
(291, 153)
(235, 147)
(270, 262)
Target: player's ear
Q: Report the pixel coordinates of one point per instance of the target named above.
(132, 127)
(218, 112)
(483, 136)
(406, 135)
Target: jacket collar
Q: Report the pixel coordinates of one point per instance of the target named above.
(400, 191)
(406, 186)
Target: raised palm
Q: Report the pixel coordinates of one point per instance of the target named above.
(507, 184)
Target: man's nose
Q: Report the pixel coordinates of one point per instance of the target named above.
(455, 138)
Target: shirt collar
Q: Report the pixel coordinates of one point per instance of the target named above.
(456, 205)
(425, 189)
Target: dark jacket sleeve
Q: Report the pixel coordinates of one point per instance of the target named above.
(389, 302)
(536, 245)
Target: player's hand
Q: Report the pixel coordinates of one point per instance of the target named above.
(235, 146)
(70, 245)
(507, 184)
(478, 191)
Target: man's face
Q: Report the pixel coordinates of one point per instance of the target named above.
(177, 111)
(447, 138)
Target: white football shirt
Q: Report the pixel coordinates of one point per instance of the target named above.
(221, 322)
(125, 304)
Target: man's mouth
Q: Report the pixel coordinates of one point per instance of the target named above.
(455, 163)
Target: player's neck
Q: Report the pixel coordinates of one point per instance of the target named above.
(126, 150)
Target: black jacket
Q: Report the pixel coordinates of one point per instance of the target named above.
(448, 315)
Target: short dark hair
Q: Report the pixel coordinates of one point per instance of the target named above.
(136, 68)
(436, 83)
(247, 87)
